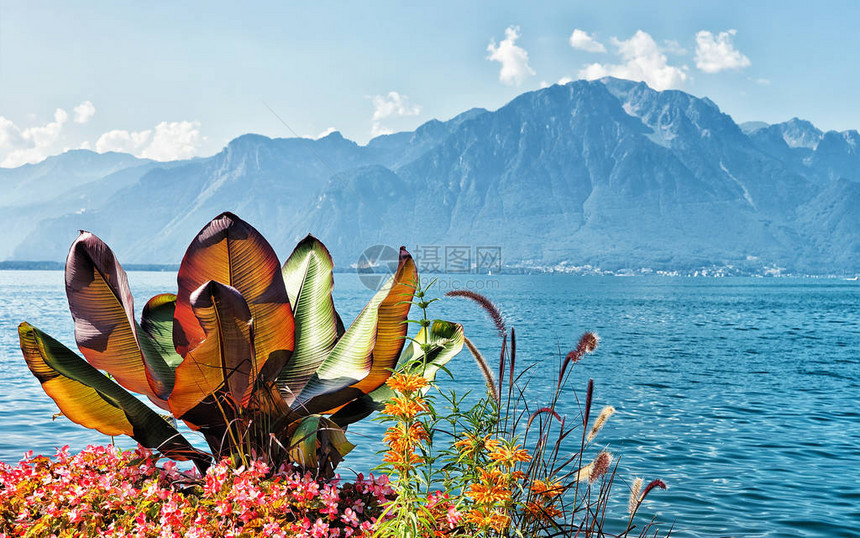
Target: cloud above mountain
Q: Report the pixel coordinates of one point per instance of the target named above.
(641, 59)
(166, 142)
(391, 105)
(715, 53)
(514, 59)
(581, 40)
(29, 144)
(84, 112)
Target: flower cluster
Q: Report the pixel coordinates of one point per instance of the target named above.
(103, 491)
(492, 494)
(407, 434)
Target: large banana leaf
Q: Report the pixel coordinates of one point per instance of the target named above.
(308, 278)
(89, 398)
(392, 327)
(230, 251)
(221, 364)
(446, 340)
(105, 329)
(352, 358)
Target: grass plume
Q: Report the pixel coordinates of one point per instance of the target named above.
(486, 304)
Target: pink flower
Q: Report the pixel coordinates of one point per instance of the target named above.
(319, 529)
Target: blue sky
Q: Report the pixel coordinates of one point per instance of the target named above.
(176, 79)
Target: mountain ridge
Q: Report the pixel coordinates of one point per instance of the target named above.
(607, 173)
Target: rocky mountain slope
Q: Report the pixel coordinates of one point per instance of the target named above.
(608, 173)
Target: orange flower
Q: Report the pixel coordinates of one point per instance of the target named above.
(494, 477)
(492, 444)
(406, 383)
(494, 519)
(402, 460)
(486, 494)
(508, 455)
(472, 445)
(549, 490)
(402, 438)
(404, 408)
(540, 511)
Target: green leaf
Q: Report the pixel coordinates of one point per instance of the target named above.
(308, 278)
(317, 438)
(368, 350)
(155, 334)
(446, 339)
(87, 397)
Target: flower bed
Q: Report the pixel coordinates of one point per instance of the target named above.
(104, 491)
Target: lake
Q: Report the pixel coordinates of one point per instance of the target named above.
(741, 394)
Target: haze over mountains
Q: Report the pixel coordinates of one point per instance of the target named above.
(608, 173)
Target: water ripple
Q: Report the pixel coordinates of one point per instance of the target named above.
(739, 393)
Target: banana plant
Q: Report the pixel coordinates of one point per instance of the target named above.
(250, 354)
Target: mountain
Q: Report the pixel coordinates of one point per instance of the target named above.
(608, 173)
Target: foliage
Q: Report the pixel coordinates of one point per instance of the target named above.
(250, 354)
(103, 491)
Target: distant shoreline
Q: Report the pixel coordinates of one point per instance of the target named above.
(712, 272)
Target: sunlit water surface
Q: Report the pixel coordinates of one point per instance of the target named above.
(742, 394)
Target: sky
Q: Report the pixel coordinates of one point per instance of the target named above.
(168, 80)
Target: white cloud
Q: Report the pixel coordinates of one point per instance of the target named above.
(580, 39)
(123, 141)
(324, 133)
(671, 46)
(29, 145)
(393, 105)
(762, 81)
(642, 60)
(718, 53)
(84, 112)
(168, 141)
(515, 60)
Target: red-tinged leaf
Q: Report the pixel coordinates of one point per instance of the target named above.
(392, 327)
(230, 251)
(222, 363)
(103, 311)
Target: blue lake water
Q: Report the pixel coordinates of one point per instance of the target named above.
(742, 394)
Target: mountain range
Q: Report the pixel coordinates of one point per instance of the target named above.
(609, 174)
